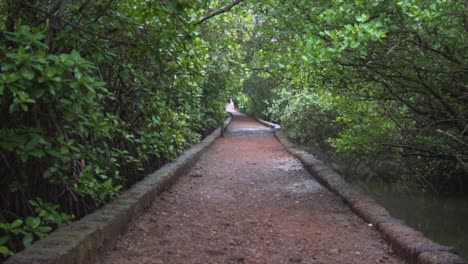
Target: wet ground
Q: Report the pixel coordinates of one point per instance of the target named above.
(248, 201)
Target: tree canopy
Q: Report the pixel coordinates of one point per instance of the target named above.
(95, 94)
(372, 78)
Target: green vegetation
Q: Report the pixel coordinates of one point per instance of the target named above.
(95, 94)
(373, 81)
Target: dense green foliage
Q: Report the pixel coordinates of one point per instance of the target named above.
(373, 80)
(94, 95)
(260, 93)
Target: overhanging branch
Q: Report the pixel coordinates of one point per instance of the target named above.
(98, 34)
(219, 11)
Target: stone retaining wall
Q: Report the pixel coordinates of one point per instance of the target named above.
(81, 241)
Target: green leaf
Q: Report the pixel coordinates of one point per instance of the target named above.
(64, 150)
(4, 239)
(4, 251)
(37, 92)
(13, 108)
(16, 223)
(27, 240)
(172, 5)
(75, 55)
(27, 73)
(78, 73)
(24, 107)
(51, 72)
(44, 229)
(33, 222)
(10, 78)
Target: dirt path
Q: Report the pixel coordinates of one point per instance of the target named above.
(248, 201)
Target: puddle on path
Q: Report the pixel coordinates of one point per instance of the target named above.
(249, 131)
(306, 186)
(258, 128)
(289, 165)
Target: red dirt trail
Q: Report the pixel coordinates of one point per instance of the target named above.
(248, 201)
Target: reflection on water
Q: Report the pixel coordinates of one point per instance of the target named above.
(442, 219)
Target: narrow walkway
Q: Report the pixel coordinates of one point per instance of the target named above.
(248, 201)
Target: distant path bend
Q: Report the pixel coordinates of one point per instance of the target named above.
(248, 201)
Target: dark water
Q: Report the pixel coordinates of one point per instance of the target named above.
(442, 219)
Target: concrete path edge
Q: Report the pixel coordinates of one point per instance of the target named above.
(82, 240)
(408, 243)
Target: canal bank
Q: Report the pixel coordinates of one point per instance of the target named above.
(442, 218)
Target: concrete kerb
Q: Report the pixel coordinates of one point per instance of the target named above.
(268, 124)
(408, 243)
(81, 241)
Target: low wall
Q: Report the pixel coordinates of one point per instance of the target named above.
(408, 243)
(81, 241)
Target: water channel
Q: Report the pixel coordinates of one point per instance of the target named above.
(444, 219)
(441, 218)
